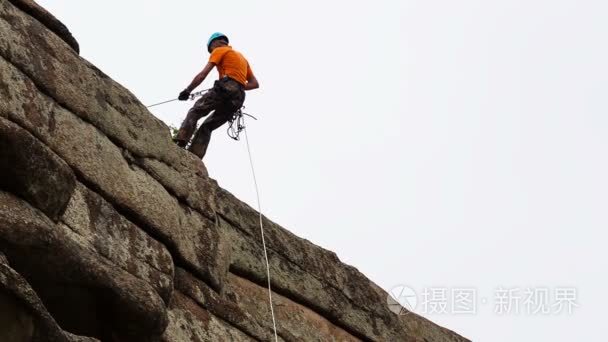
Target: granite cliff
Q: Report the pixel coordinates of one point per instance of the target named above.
(110, 232)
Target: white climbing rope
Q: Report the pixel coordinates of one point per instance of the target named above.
(190, 97)
(257, 192)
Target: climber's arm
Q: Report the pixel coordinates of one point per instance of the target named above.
(198, 79)
(252, 82)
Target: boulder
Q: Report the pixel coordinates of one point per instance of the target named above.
(31, 170)
(86, 293)
(23, 316)
(47, 19)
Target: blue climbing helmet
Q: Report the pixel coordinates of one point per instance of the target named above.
(216, 35)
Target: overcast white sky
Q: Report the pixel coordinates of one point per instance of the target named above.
(433, 144)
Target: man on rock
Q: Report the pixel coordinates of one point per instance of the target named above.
(225, 98)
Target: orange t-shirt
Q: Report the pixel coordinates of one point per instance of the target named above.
(231, 63)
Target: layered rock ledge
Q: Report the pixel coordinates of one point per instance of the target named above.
(109, 232)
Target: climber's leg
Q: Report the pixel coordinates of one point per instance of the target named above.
(203, 134)
(201, 108)
(233, 98)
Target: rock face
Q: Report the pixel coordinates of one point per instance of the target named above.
(109, 232)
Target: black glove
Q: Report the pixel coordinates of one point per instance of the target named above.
(184, 95)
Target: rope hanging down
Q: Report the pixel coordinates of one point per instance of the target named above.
(241, 127)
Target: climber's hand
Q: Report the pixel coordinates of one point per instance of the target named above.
(184, 95)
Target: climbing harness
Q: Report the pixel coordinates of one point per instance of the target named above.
(192, 97)
(237, 124)
(257, 192)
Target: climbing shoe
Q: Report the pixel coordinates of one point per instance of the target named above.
(180, 143)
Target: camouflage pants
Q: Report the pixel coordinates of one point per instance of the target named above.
(225, 98)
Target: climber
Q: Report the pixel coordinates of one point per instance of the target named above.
(225, 98)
